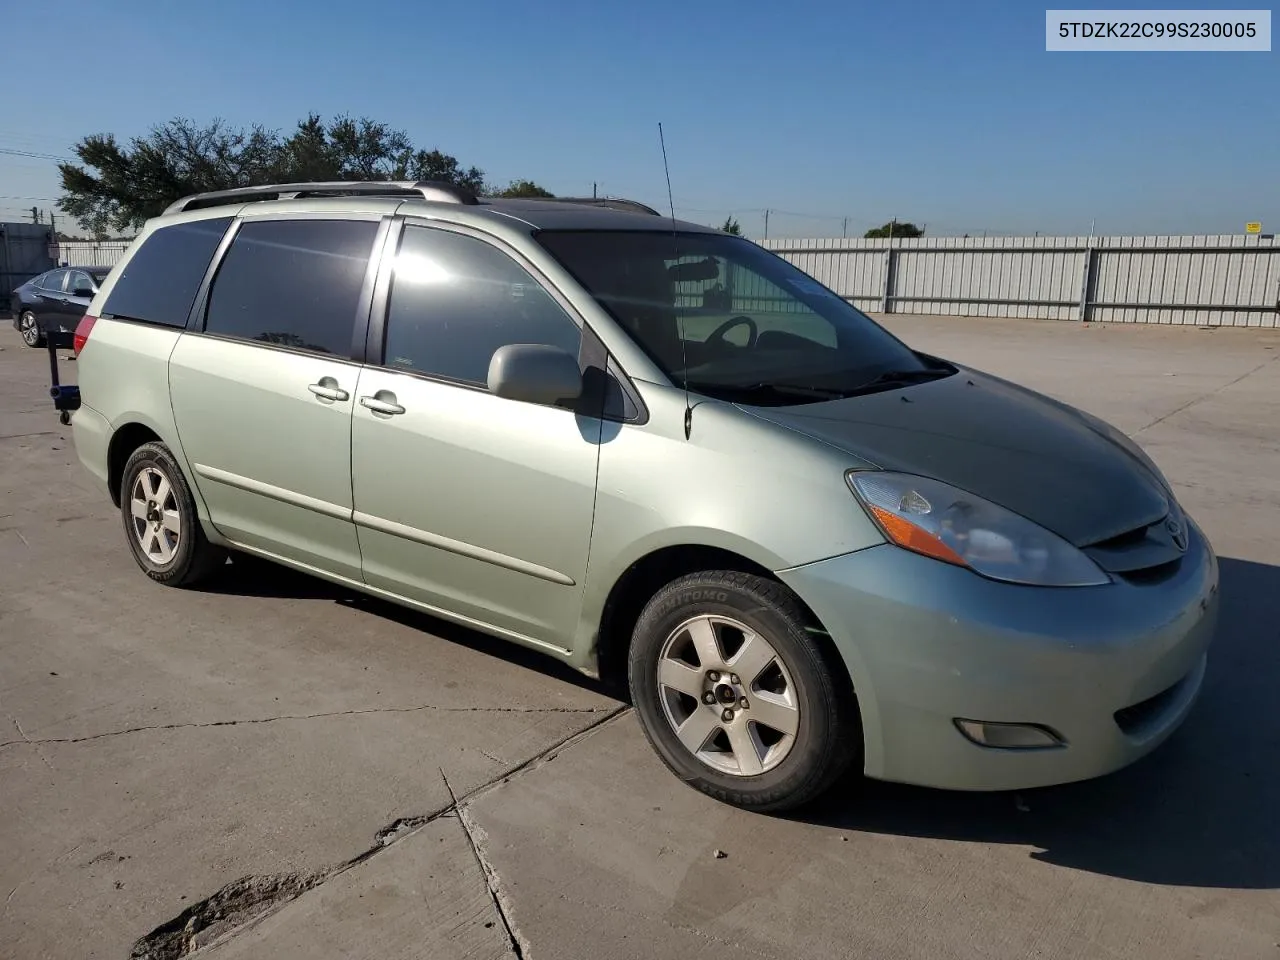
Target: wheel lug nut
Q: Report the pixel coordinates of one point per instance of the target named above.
(708, 697)
(743, 703)
(727, 715)
(733, 678)
(713, 676)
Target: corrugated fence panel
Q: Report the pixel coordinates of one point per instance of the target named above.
(1228, 280)
(956, 276)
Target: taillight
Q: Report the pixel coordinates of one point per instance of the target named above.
(83, 329)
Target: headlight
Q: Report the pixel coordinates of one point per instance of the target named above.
(937, 520)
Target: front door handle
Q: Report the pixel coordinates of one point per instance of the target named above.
(328, 389)
(384, 402)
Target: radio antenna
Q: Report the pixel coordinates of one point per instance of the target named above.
(684, 353)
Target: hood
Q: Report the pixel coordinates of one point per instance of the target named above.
(1002, 442)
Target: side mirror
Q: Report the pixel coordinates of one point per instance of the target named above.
(534, 373)
(84, 292)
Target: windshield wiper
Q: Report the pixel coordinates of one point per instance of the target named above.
(766, 391)
(898, 378)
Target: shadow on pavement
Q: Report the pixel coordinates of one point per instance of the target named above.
(1199, 811)
(247, 576)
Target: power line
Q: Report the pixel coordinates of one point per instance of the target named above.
(10, 151)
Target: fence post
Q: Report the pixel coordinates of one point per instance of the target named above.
(1088, 279)
(890, 262)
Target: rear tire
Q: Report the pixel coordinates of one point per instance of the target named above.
(29, 327)
(761, 721)
(161, 523)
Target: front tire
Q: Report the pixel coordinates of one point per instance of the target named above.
(736, 696)
(29, 327)
(160, 520)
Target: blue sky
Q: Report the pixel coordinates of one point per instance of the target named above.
(946, 113)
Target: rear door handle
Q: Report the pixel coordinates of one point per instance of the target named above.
(384, 401)
(328, 389)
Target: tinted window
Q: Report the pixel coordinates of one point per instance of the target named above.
(455, 300)
(295, 283)
(100, 276)
(731, 319)
(77, 279)
(160, 281)
(53, 280)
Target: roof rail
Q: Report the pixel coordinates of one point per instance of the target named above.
(612, 203)
(438, 191)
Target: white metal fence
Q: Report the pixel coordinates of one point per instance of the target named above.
(1230, 280)
(91, 253)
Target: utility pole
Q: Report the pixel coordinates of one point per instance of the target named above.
(766, 224)
(35, 215)
(844, 227)
(593, 190)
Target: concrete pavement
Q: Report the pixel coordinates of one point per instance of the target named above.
(391, 786)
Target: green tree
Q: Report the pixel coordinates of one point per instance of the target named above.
(434, 165)
(731, 226)
(895, 229)
(521, 188)
(118, 186)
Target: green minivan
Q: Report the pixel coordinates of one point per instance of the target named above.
(659, 453)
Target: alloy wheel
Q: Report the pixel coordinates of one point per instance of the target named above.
(728, 695)
(29, 329)
(154, 510)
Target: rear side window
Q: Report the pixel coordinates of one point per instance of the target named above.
(294, 283)
(52, 281)
(159, 283)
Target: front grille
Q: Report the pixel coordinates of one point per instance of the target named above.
(1149, 576)
(1147, 554)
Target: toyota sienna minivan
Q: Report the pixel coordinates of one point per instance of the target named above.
(656, 452)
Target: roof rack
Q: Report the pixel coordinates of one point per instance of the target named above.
(436, 190)
(613, 203)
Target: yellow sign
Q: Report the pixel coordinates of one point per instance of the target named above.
(1253, 228)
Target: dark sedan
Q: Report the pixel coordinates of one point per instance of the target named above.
(55, 301)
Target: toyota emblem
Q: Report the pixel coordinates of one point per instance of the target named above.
(1178, 535)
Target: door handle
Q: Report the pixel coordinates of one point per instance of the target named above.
(328, 389)
(384, 402)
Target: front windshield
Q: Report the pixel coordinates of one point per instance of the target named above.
(738, 322)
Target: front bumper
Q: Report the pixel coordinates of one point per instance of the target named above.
(927, 642)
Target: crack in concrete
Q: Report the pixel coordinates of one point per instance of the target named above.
(236, 904)
(244, 903)
(1211, 393)
(25, 739)
(492, 883)
(23, 436)
(291, 716)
